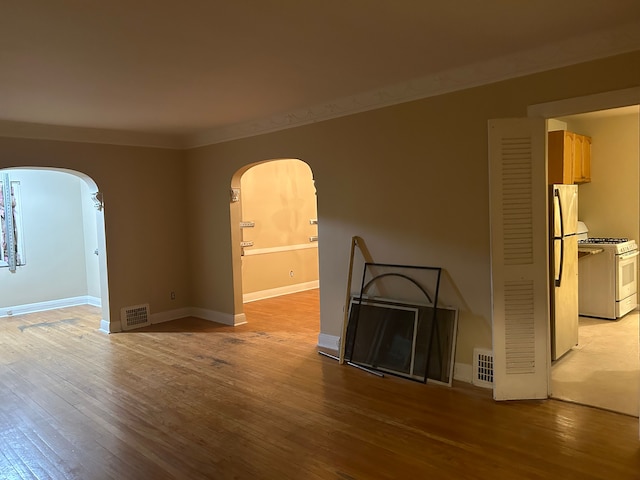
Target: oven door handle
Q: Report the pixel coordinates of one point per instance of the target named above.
(628, 255)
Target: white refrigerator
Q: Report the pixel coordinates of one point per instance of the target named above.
(564, 269)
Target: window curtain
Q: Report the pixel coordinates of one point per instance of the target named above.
(8, 224)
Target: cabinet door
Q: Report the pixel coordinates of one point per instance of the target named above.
(586, 160)
(578, 141)
(582, 159)
(568, 158)
(560, 157)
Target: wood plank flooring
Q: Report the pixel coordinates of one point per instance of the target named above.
(191, 399)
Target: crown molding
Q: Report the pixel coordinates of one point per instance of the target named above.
(90, 135)
(576, 50)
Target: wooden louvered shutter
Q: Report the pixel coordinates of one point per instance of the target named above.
(519, 258)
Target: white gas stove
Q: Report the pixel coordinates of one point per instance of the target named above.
(617, 245)
(607, 276)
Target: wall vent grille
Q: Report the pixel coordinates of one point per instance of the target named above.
(135, 316)
(483, 368)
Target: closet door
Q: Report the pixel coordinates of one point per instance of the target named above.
(519, 258)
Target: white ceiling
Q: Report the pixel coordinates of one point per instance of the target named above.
(180, 74)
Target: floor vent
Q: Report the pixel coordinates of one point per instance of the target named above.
(135, 317)
(483, 368)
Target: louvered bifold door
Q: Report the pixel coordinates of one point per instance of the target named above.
(519, 258)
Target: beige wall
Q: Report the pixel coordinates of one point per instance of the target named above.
(145, 218)
(609, 204)
(279, 196)
(411, 180)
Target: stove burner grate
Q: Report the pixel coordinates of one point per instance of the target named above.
(607, 240)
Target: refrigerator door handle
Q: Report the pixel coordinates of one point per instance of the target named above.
(556, 194)
(558, 280)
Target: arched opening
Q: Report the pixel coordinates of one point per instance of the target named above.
(274, 231)
(60, 231)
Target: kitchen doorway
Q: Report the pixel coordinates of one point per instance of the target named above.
(604, 368)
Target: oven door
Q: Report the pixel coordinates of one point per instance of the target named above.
(626, 274)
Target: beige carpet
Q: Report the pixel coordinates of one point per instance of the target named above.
(604, 369)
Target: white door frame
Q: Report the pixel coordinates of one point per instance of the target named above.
(572, 106)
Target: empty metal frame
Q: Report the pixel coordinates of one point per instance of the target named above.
(397, 329)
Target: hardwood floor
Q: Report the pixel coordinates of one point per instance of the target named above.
(190, 399)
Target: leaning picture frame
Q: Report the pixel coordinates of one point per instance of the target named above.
(401, 339)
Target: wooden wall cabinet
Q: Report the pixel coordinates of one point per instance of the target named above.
(582, 159)
(569, 157)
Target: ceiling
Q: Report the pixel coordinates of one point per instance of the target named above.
(182, 74)
(608, 113)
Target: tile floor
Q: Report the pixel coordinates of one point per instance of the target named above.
(603, 370)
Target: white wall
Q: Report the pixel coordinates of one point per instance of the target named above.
(54, 236)
(91, 241)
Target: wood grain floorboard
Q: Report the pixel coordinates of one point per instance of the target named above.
(191, 399)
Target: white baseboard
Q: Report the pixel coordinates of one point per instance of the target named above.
(276, 292)
(48, 305)
(461, 371)
(239, 319)
(94, 301)
(329, 342)
(169, 315)
(213, 316)
(105, 326)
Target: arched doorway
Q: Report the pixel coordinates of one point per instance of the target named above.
(274, 231)
(61, 230)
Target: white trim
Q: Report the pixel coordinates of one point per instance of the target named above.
(576, 105)
(287, 248)
(217, 317)
(94, 301)
(43, 306)
(588, 103)
(276, 292)
(169, 315)
(575, 50)
(329, 342)
(239, 319)
(104, 326)
(89, 135)
(178, 313)
(593, 46)
(463, 372)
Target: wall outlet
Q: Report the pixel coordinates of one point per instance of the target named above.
(291, 273)
(173, 295)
